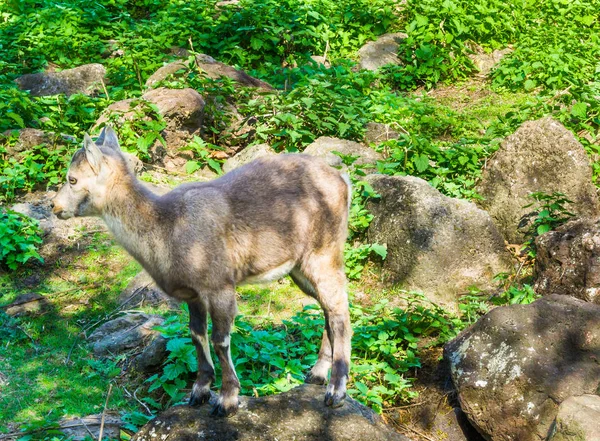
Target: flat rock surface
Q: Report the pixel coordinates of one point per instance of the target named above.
(295, 415)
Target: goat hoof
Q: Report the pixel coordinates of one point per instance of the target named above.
(314, 379)
(222, 411)
(334, 399)
(199, 396)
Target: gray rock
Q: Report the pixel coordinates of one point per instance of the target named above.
(568, 260)
(324, 146)
(40, 210)
(213, 69)
(152, 357)
(126, 333)
(163, 72)
(247, 155)
(578, 419)
(79, 429)
(86, 79)
(135, 165)
(436, 244)
(518, 363)
(181, 108)
(143, 291)
(380, 52)
(319, 59)
(540, 156)
(378, 132)
(27, 304)
(486, 62)
(295, 415)
(29, 138)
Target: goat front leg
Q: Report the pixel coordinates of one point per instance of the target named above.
(206, 369)
(223, 311)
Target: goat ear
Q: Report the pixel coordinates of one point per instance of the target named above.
(92, 153)
(101, 136)
(110, 138)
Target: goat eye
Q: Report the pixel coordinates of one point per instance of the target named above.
(72, 181)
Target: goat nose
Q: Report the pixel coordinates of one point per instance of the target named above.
(51, 204)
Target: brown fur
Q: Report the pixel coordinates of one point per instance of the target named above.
(278, 215)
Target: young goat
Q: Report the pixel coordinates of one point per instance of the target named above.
(283, 215)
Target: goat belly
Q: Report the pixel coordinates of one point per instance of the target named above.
(270, 275)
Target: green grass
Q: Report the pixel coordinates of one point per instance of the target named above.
(48, 367)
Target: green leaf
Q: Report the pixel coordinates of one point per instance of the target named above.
(421, 162)
(380, 250)
(579, 110)
(529, 85)
(544, 228)
(191, 166)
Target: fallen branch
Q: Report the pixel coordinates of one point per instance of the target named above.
(104, 412)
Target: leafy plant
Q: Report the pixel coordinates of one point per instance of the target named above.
(516, 295)
(42, 164)
(202, 151)
(452, 169)
(331, 102)
(19, 238)
(550, 213)
(142, 131)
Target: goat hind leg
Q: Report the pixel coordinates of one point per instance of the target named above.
(318, 373)
(206, 371)
(334, 301)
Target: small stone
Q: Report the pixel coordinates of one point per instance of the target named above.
(378, 53)
(324, 147)
(27, 304)
(247, 155)
(128, 332)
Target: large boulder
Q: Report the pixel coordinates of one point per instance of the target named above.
(129, 332)
(325, 146)
(213, 69)
(86, 79)
(515, 366)
(436, 244)
(380, 52)
(182, 110)
(568, 260)
(247, 155)
(295, 415)
(541, 156)
(578, 419)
